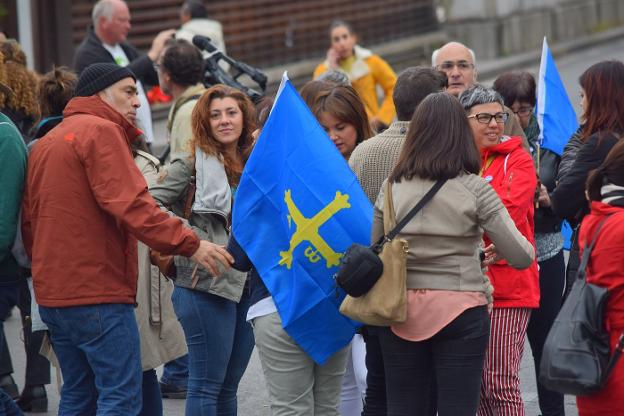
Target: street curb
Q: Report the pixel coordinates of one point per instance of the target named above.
(493, 68)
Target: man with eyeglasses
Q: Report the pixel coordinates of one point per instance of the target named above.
(459, 63)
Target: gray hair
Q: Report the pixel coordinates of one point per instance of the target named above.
(477, 95)
(103, 8)
(335, 77)
(434, 55)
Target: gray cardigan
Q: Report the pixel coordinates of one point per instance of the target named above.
(445, 236)
(170, 191)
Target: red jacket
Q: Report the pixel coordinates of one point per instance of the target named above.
(606, 264)
(510, 170)
(84, 203)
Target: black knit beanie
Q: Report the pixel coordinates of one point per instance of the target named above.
(97, 77)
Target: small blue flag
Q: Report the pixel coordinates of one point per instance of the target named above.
(555, 114)
(297, 208)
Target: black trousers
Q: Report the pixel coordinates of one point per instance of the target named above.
(552, 281)
(375, 402)
(37, 366)
(441, 373)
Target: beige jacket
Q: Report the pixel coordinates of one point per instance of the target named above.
(179, 119)
(445, 236)
(162, 337)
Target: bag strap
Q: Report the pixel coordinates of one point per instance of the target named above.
(588, 249)
(190, 197)
(397, 228)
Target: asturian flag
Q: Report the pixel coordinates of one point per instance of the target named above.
(297, 209)
(555, 115)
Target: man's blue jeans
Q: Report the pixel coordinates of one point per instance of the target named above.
(98, 349)
(220, 342)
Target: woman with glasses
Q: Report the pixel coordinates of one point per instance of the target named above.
(509, 170)
(366, 71)
(518, 91)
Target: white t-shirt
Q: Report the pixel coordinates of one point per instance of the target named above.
(144, 114)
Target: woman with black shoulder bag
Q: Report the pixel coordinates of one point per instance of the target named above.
(605, 190)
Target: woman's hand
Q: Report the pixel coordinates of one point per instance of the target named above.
(333, 58)
(491, 256)
(544, 198)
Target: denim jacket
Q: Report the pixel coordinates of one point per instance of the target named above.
(170, 191)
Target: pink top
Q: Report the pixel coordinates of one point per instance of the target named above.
(428, 311)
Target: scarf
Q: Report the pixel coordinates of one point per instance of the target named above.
(213, 194)
(612, 194)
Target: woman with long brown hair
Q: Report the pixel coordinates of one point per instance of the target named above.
(212, 309)
(447, 329)
(602, 101)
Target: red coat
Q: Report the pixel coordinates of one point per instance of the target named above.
(606, 268)
(510, 170)
(84, 203)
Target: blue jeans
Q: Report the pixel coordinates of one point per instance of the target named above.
(152, 399)
(98, 349)
(220, 342)
(175, 373)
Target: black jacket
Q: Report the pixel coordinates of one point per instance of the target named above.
(568, 199)
(92, 51)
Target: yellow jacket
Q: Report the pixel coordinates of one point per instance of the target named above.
(368, 71)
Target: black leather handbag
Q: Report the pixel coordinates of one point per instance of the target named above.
(360, 266)
(576, 358)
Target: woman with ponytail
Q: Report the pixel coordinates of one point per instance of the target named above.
(56, 88)
(605, 191)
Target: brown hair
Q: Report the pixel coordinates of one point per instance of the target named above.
(56, 88)
(202, 132)
(516, 86)
(21, 81)
(439, 142)
(311, 89)
(610, 171)
(603, 84)
(342, 102)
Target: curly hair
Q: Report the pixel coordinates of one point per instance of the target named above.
(20, 80)
(204, 138)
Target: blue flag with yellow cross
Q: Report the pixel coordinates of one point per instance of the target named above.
(298, 207)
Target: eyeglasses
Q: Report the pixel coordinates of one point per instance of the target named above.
(523, 111)
(486, 118)
(461, 65)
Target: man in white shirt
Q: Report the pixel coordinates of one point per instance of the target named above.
(106, 42)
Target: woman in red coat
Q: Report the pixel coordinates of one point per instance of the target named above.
(510, 170)
(605, 189)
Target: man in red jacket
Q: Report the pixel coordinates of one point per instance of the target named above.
(85, 204)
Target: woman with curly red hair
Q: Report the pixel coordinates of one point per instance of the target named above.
(212, 308)
(20, 103)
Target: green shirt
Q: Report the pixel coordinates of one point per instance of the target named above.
(12, 174)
